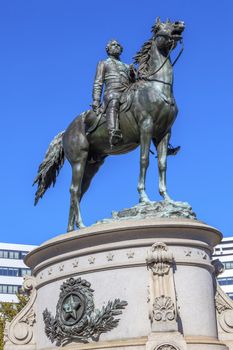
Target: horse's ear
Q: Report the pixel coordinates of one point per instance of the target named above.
(156, 26)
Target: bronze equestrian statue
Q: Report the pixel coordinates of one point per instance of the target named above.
(147, 112)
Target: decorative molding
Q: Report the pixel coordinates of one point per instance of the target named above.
(188, 252)
(163, 309)
(159, 259)
(110, 256)
(75, 263)
(61, 267)
(166, 347)
(161, 294)
(204, 255)
(166, 341)
(50, 270)
(130, 254)
(76, 319)
(224, 312)
(218, 267)
(20, 331)
(91, 260)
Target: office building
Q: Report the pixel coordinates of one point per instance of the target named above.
(224, 252)
(12, 269)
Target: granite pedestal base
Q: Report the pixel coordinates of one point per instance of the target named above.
(160, 267)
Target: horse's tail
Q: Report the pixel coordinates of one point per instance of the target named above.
(50, 167)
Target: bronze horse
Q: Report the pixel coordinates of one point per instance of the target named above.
(149, 117)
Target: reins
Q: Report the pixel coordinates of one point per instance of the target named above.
(179, 54)
(146, 77)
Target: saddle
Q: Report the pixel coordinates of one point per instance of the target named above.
(92, 120)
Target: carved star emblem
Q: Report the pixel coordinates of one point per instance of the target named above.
(70, 308)
(130, 254)
(75, 263)
(188, 252)
(110, 256)
(204, 255)
(91, 260)
(61, 267)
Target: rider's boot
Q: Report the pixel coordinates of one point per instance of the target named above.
(115, 135)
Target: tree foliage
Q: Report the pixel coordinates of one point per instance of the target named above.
(8, 311)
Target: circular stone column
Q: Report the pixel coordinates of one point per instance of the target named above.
(113, 259)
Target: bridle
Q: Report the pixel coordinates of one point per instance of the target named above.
(147, 76)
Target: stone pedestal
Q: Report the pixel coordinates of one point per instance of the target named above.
(160, 267)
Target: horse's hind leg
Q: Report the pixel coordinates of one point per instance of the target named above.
(90, 170)
(78, 168)
(162, 165)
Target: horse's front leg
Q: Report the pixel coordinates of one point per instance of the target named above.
(162, 165)
(78, 168)
(146, 129)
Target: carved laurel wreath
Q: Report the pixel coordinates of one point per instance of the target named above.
(90, 323)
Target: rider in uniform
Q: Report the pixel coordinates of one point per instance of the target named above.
(117, 77)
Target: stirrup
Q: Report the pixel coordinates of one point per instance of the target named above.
(172, 151)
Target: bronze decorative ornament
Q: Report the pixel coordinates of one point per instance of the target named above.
(76, 318)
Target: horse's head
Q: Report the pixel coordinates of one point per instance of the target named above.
(167, 34)
(164, 39)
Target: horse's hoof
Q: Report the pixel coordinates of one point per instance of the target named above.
(80, 226)
(144, 201)
(169, 200)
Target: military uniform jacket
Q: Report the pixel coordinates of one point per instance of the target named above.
(114, 74)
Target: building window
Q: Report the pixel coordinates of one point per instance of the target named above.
(12, 254)
(228, 248)
(224, 281)
(9, 289)
(14, 272)
(25, 272)
(3, 288)
(9, 271)
(228, 265)
(4, 254)
(3, 271)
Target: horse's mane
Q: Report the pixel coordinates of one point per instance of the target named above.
(142, 58)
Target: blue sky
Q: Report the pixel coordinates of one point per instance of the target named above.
(49, 52)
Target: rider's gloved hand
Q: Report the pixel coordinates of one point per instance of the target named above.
(132, 72)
